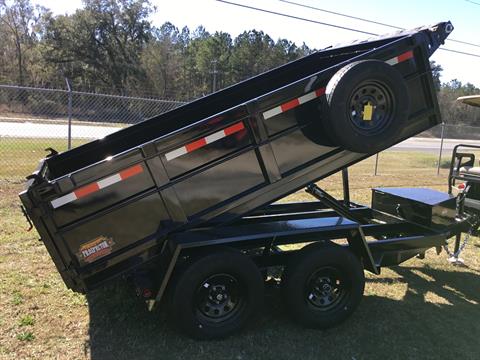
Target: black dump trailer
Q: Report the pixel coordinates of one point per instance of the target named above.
(185, 201)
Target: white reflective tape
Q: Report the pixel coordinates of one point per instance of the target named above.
(214, 137)
(176, 153)
(62, 200)
(301, 100)
(95, 186)
(307, 97)
(109, 181)
(272, 112)
(393, 61)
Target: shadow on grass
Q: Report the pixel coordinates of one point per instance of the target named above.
(381, 328)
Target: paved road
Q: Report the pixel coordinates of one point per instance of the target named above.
(431, 144)
(35, 130)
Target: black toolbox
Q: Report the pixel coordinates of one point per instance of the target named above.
(425, 207)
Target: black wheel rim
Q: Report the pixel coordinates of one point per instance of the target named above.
(376, 95)
(326, 288)
(218, 298)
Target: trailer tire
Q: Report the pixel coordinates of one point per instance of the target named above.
(216, 295)
(367, 105)
(323, 285)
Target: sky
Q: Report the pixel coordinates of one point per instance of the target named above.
(217, 16)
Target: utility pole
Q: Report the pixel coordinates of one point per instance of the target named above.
(69, 90)
(214, 72)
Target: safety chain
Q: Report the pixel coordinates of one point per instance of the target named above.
(460, 249)
(455, 255)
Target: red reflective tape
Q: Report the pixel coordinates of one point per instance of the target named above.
(320, 92)
(405, 56)
(87, 189)
(131, 171)
(94, 187)
(196, 145)
(234, 128)
(290, 105)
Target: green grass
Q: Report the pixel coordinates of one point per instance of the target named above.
(17, 298)
(423, 309)
(26, 320)
(20, 156)
(26, 336)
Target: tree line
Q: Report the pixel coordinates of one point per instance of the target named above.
(111, 46)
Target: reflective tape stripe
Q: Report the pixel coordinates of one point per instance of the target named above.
(293, 103)
(176, 153)
(307, 97)
(86, 190)
(131, 171)
(96, 186)
(109, 181)
(199, 143)
(214, 137)
(272, 112)
(290, 105)
(405, 56)
(400, 58)
(65, 199)
(234, 128)
(393, 61)
(319, 92)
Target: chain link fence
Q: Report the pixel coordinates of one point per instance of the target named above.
(33, 119)
(437, 142)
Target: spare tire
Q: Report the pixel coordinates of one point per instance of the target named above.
(367, 106)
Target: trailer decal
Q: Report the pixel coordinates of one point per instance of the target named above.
(97, 248)
(400, 58)
(94, 187)
(293, 103)
(199, 143)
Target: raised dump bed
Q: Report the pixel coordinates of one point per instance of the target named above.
(137, 198)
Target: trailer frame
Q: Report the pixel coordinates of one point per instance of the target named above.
(323, 220)
(156, 168)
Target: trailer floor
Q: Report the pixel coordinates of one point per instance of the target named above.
(424, 309)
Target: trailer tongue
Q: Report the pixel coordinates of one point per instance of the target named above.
(189, 192)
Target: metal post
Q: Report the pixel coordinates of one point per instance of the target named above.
(458, 237)
(69, 89)
(376, 164)
(346, 187)
(214, 85)
(441, 148)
